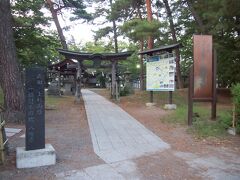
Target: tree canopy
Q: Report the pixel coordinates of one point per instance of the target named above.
(126, 20)
(36, 43)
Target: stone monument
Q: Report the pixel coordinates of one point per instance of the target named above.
(36, 153)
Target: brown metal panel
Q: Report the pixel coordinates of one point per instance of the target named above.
(203, 66)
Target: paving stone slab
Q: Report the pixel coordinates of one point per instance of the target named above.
(116, 171)
(13, 130)
(10, 134)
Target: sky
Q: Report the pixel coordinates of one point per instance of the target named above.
(79, 30)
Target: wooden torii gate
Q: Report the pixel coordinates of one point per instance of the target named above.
(97, 58)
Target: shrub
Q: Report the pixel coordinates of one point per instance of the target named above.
(126, 90)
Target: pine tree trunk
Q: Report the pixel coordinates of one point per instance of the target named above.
(58, 26)
(10, 76)
(114, 31)
(174, 37)
(139, 15)
(196, 16)
(150, 18)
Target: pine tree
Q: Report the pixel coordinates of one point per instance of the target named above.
(10, 77)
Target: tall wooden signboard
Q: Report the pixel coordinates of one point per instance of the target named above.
(202, 84)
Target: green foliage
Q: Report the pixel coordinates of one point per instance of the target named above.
(126, 90)
(97, 47)
(118, 11)
(34, 45)
(131, 63)
(102, 32)
(137, 29)
(126, 9)
(77, 7)
(221, 19)
(207, 129)
(225, 119)
(202, 125)
(177, 117)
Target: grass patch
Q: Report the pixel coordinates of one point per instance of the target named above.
(203, 126)
(52, 101)
(49, 100)
(179, 116)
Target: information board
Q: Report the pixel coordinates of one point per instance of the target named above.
(161, 73)
(35, 109)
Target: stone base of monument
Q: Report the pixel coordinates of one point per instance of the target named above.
(170, 106)
(150, 104)
(35, 158)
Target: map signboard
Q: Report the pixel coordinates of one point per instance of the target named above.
(161, 72)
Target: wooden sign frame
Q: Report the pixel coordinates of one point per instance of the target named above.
(206, 93)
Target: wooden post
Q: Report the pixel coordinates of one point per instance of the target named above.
(151, 96)
(170, 97)
(214, 98)
(113, 79)
(117, 93)
(78, 83)
(3, 142)
(234, 116)
(59, 81)
(190, 97)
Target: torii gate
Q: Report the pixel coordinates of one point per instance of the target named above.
(97, 58)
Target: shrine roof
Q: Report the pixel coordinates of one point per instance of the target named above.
(62, 63)
(167, 48)
(95, 56)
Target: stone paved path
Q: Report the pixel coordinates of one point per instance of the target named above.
(117, 139)
(116, 135)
